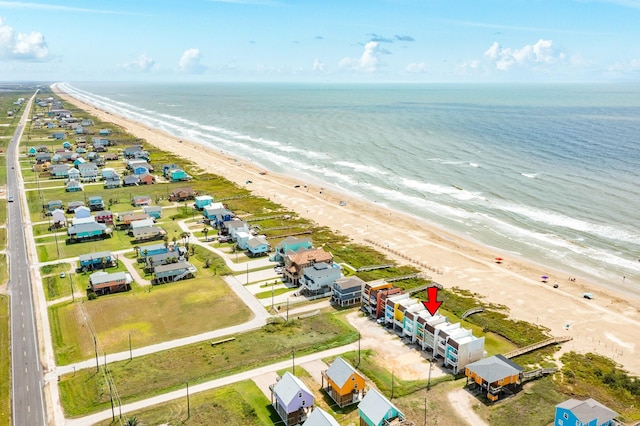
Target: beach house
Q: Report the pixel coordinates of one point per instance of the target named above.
(59, 171)
(376, 410)
(129, 152)
(177, 175)
(98, 260)
(257, 246)
(584, 413)
(73, 186)
(347, 291)
(148, 233)
(153, 211)
(163, 259)
(58, 218)
(104, 216)
(343, 383)
(493, 374)
(319, 417)
(147, 179)
(172, 272)
(141, 200)
(96, 203)
(106, 283)
(319, 278)
(242, 238)
(130, 180)
(203, 201)
(292, 399)
(125, 218)
(289, 244)
(217, 215)
(232, 227)
(294, 263)
(73, 205)
(87, 231)
(73, 174)
(88, 171)
(181, 194)
(82, 212)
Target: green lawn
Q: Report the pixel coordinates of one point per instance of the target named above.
(143, 377)
(150, 316)
(239, 404)
(5, 362)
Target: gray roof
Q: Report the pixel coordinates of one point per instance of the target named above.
(588, 410)
(105, 277)
(494, 368)
(86, 227)
(340, 371)
(288, 387)
(350, 282)
(319, 417)
(172, 267)
(96, 255)
(256, 242)
(375, 406)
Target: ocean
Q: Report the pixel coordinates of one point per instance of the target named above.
(549, 173)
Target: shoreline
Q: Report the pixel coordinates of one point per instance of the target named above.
(609, 324)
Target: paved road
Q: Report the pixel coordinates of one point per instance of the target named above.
(27, 375)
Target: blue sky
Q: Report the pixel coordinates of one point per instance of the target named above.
(319, 41)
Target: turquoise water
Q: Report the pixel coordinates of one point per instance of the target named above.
(546, 172)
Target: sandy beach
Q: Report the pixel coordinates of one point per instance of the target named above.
(609, 324)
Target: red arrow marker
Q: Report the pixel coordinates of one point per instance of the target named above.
(432, 303)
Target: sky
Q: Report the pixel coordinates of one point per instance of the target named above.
(320, 40)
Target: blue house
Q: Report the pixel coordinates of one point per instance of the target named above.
(140, 170)
(176, 175)
(79, 130)
(319, 277)
(290, 244)
(58, 135)
(66, 145)
(85, 231)
(104, 132)
(376, 410)
(584, 413)
(97, 260)
(203, 201)
(257, 246)
(96, 203)
(217, 215)
(153, 211)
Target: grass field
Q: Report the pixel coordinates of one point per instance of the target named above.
(5, 362)
(161, 372)
(239, 404)
(164, 313)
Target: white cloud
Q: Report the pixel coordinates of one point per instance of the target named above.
(318, 66)
(631, 66)
(367, 62)
(539, 54)
(417, 67)
(142, 63)
(22, 46)
(468, 68)
(190, 62)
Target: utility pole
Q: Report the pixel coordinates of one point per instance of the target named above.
(188, 402)
(113, 413)
(293, 358)
(358, 349)
(73, 296)
(95, 347)
(392, 380)
(130, 352)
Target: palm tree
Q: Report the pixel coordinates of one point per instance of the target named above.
(137, 250)
(131, 421)
(205, 231)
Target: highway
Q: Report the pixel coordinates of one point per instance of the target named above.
(28, 406)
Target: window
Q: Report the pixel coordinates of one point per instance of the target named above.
(566, 416)
(299, 394)
(303, 402)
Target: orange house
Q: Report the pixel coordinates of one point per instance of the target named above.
(344, 384)
(492, 374)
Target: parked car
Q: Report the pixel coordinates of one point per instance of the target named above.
(62, 275)
(10, 199)
(588, 296)
(224, 239)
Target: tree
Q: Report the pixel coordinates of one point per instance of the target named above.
(137, 250)
(131, 421)
(205, 231)
(207, 262)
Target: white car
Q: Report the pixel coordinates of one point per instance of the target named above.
(62, 275)
(10, 199)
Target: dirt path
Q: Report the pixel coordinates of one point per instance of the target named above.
(462, 402)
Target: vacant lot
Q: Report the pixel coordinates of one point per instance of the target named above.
(143, 377)
(163, 313)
